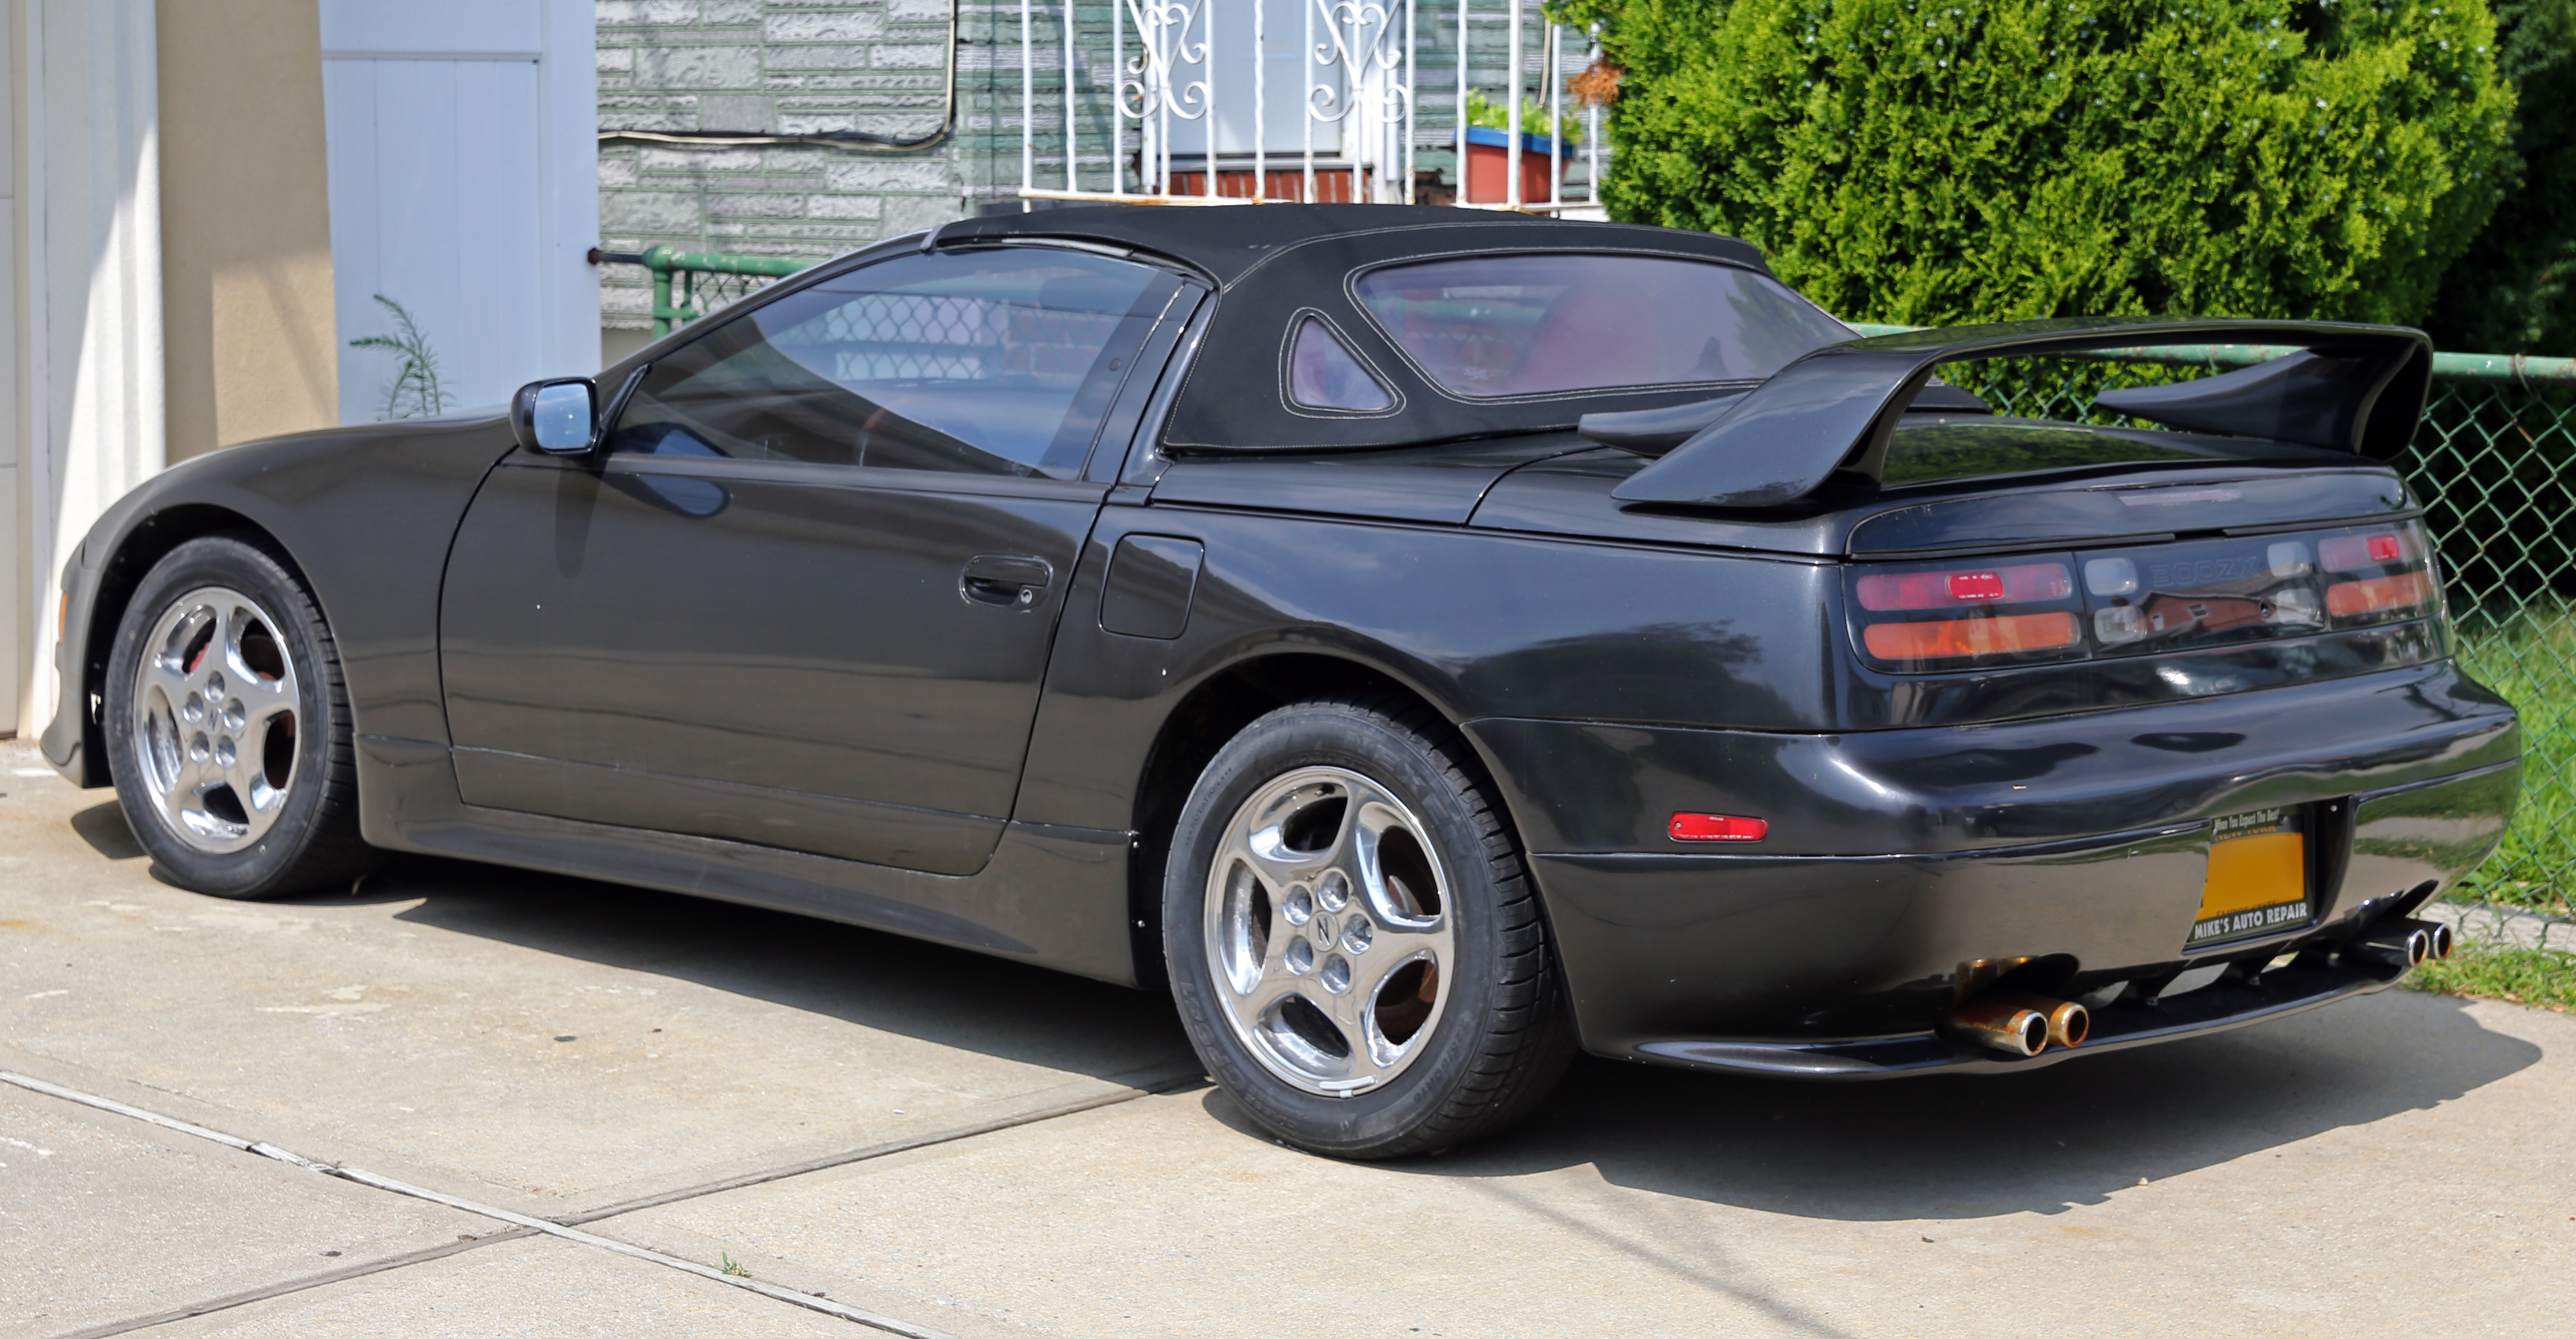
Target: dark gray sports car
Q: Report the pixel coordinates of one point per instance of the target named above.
(1425, 641)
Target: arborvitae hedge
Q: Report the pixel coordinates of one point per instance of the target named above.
(1939, 161)
(2515, 291)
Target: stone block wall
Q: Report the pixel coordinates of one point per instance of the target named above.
(773, 70)
(768, 71)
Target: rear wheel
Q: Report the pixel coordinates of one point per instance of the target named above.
(1355, 946)
(228, 727)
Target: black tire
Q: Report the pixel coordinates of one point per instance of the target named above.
(309, 838)
(1499, 1033)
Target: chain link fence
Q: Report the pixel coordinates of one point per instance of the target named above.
(2494, 466)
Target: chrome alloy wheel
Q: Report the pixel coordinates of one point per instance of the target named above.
(1328, 931)
(215, 706)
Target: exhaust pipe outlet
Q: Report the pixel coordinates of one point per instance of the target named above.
(2401, 945)
(2068, 1022)
(2438, 940)
(2000, 1024)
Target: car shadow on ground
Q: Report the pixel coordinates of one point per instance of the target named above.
(1971, 1146)
(908, 987)
(103, 826)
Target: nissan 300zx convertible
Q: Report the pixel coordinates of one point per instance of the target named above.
(1427, 642)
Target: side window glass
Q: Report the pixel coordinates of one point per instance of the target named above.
(1324, 374)
(984, 362)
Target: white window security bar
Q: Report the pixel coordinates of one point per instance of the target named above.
(1207, 97)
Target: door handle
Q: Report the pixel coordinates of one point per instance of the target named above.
(1004, 580)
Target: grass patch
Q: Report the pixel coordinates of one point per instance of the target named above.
(2544, 978)
(2529, 657)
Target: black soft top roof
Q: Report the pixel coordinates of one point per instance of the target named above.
(1227, 241)
(1273, 264)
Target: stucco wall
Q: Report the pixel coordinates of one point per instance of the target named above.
(252, 347)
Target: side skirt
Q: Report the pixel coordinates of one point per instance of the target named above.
(1055, 896)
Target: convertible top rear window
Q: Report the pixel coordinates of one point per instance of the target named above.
(1504, 325)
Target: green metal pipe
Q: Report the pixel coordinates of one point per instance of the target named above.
(710, 262)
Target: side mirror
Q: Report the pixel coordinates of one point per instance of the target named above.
(560, 418)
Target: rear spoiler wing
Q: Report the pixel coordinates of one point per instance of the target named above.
(2357, 388)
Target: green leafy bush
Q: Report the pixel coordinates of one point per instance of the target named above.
(2515, 291)
(1929, 162)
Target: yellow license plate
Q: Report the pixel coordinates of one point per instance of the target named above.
(2258, 876)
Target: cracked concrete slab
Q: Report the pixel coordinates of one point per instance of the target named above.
(2363, 1170)
(104, 1218)
(550, 1045)
(533, 1286)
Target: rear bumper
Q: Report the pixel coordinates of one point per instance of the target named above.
(2292, 988)
(1897, 857)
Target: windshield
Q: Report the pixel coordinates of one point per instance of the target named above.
(1491, 326)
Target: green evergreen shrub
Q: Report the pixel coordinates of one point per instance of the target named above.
(2515, 291)
(1931, 162)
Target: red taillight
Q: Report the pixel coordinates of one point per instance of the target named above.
(1949, 590)
(2009, 634)
(2348, 599)
(1718, 828)
(2351, 553)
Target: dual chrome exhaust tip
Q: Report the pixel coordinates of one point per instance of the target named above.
(2019, 1024)
(2023, 1024)
(2405, 943)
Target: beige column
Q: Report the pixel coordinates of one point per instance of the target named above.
(253, 347)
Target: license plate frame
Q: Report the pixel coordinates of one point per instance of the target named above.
(2258, 881)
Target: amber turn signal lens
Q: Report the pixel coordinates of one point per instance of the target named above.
(1955, 639)
(1718, 828)
(2405, 590)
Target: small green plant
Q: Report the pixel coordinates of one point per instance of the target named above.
(415, 391)
(2541, 977)
(734, 1267)
(1485, 113)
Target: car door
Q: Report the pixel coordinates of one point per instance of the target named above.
(804, 595)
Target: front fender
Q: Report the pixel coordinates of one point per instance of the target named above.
(364, 515)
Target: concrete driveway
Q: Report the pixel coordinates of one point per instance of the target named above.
(599, 1098)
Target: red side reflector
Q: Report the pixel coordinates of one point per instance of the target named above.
(2344, 599)
(2383, 548)
(1948, 590)
(1954, 639)
(1718, 828)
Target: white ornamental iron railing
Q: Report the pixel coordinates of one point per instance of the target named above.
(1195, 121)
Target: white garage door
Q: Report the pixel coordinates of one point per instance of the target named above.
(464, 190)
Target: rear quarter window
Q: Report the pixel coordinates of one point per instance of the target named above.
(1548, 324)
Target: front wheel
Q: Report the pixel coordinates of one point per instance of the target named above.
(228, 726)
(1353, 940)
